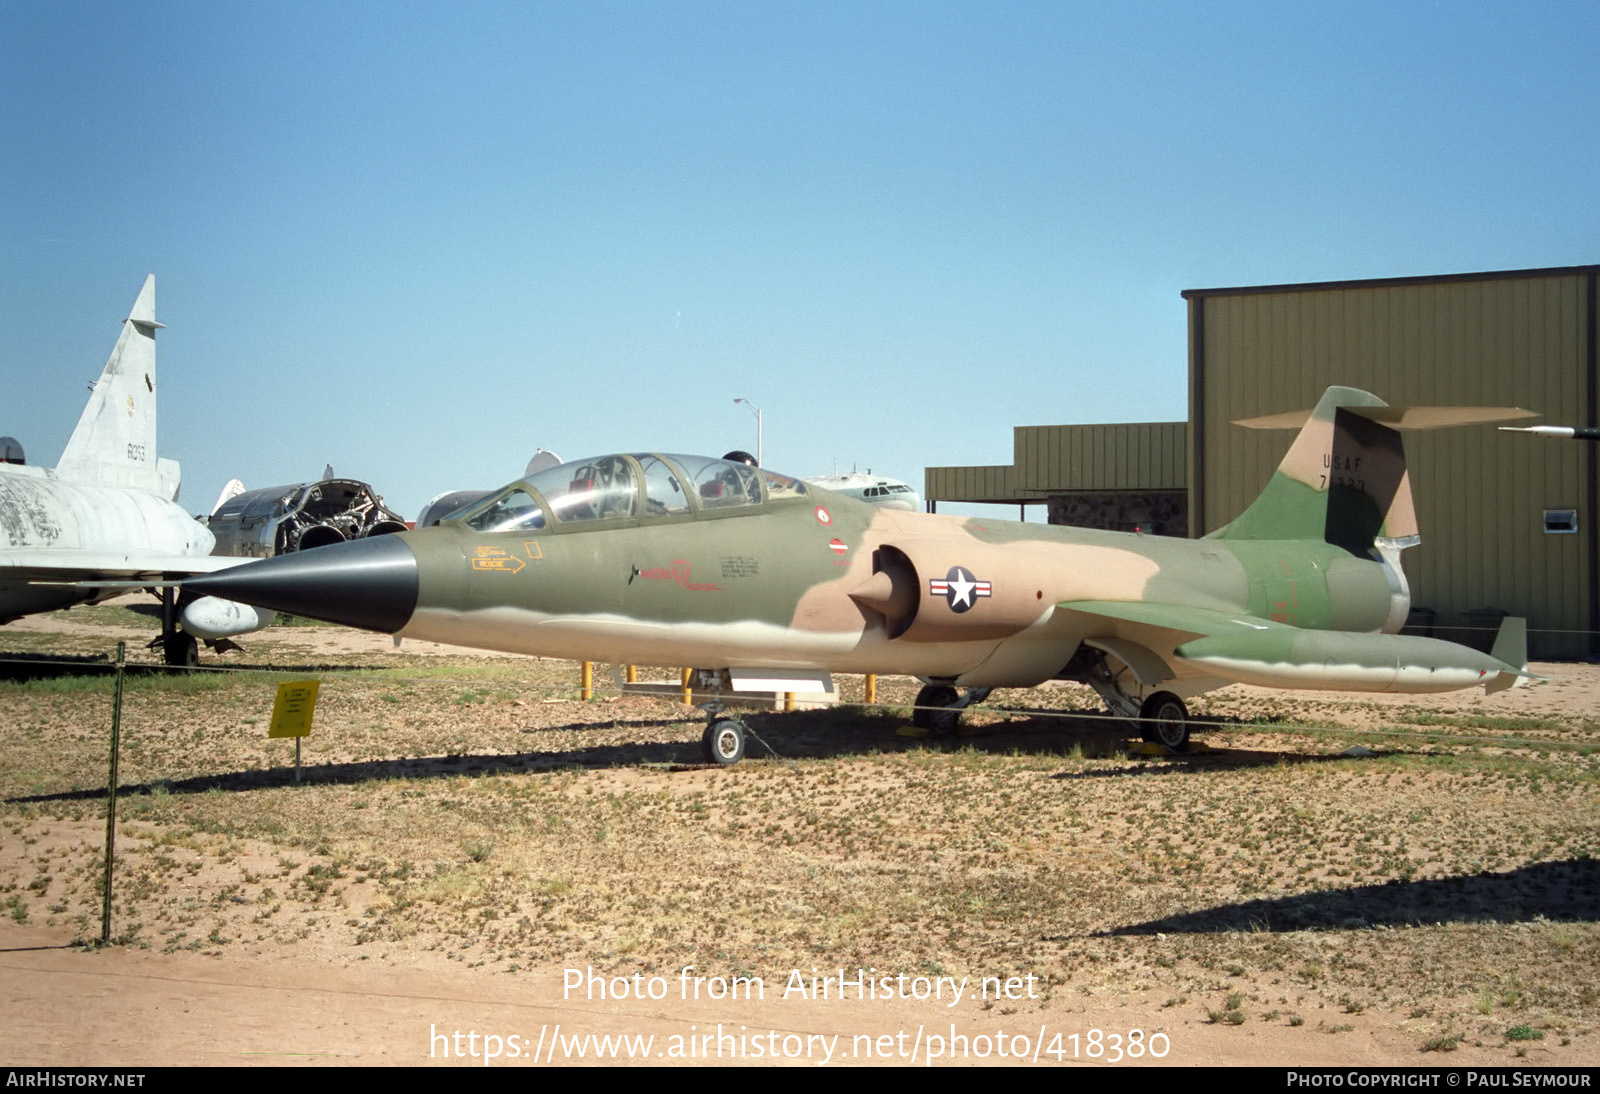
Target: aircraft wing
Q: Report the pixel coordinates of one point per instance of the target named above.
(1146, 636)
(1179, 621)
(47, 565)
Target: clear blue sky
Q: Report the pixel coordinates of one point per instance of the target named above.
(417, 241)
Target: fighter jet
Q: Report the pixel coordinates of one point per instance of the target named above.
(686, 560)
(107, 511)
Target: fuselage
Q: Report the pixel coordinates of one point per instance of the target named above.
(688, 561)
(818, 580)
(48, 524)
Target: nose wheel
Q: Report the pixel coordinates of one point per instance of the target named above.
(723, 742)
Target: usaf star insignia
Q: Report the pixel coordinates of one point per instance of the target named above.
(959, 588)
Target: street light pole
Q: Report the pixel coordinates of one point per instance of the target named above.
(752, 406)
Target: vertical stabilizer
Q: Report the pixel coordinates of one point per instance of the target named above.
(1343, 480)
(114, 443)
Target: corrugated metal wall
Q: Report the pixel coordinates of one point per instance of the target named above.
(1485, 340)
(991, 482)
(1137, 456)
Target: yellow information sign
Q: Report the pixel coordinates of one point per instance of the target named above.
(291, 713)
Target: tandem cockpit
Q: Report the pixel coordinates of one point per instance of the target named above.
(625, 490)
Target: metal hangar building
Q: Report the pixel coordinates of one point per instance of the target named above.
(1508, 520)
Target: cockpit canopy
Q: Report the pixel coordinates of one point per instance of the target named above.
(642, 486)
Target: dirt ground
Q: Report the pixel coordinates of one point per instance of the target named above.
(480, 868)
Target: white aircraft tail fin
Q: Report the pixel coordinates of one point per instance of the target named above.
(114, 443)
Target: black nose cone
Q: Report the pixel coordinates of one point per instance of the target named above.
(366, 583)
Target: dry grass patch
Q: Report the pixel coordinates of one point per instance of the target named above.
(478, 811)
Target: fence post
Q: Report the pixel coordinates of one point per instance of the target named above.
(111, 793)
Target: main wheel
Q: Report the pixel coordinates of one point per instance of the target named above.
(180, 651)
(1164, 720)
(933, 711)
(724, 741)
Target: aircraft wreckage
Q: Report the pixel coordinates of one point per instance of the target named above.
(279, 520)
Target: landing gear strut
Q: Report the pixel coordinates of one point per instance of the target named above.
(938, 707)
(179, 650)
(724, 739)
(1162, 718)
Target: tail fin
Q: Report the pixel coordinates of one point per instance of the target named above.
(1344, 478)
(232, 490)
(1511, 648)
(114, 443)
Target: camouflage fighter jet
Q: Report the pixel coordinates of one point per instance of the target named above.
(686, 560)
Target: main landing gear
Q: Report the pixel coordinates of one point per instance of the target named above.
(179, 649)
(1161, 718)
(1164, 720)
(938, 707)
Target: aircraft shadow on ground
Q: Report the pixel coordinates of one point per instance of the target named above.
(793, 736)
(19, 667)
(835, 733)
(1566, 890)
(472, 765)
(1080, 734)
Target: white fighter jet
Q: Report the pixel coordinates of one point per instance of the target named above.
(107, 511)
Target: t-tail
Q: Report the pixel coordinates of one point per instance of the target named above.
(1344, 482)
(114, 443)
(1344, 478)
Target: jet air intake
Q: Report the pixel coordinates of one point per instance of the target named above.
(943, 592)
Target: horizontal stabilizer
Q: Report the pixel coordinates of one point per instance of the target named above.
(1400, 417)
(1344, 478)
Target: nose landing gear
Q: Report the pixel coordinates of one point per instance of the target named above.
(723, 742)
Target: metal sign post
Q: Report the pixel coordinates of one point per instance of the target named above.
(291, 714)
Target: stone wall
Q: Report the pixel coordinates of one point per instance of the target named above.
(1161, 513)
